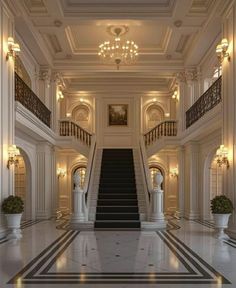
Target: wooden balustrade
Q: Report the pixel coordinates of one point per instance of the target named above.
(68, 128)
(166, 128)
(205, 103)
(30, 100)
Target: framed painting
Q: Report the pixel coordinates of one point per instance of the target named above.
(117, 114)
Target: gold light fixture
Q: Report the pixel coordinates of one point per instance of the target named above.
(222, 50)
(61, 172)
(175, 95)
(118, 52)
(13, 152)
(174, 172)
(60, 95)
(13, 48)
(222, 156)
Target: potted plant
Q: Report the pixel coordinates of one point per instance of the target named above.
(221, 208)
(12, 207)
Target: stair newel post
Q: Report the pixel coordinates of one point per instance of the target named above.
(78, 213)
(157, 214)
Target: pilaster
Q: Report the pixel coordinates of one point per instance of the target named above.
(191, 181)
(45, 176)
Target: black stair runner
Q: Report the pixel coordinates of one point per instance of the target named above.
(117, 205)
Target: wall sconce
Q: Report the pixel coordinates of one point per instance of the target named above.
(221, 50)
(81, 100)
(13, 48)
(167, 114)
(175, 96)
(60, 95)
(222, 156)
(174, 172)
(13, 152)
(68, 115)
(61, 172)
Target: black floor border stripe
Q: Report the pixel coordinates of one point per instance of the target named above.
(55, 258)
(180, 258)
(190, 258)
(121, 277)
(150, 281)
(216, 273)
(118, 273)
(32, 273)
(32, 262)
(226, 242)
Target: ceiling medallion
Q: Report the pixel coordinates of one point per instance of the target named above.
(118, 51)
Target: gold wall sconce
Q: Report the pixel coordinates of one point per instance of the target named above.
(13, 152)
(174, 172)
(61, 172)
(60, 95)
(175, 96)
(222, 156)
(222, 50)
(13, 48)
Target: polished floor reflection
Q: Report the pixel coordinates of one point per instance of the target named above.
(185, 255)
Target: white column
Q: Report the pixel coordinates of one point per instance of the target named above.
(191, 181)
(181, 177)
(180, 104)
(7, 109)
(229, 111)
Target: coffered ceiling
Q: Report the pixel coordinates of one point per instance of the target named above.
(171, 34)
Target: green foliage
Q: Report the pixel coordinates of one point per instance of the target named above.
(221, 205)
(12, 205)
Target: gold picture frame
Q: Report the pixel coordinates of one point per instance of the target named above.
(118, 114)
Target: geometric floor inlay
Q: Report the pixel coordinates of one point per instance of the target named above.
(71, 260)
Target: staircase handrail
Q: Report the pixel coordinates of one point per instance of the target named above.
(145, 173)
(165, 128)
(68, 127)
(90, 166)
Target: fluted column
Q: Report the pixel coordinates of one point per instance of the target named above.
(181, 168)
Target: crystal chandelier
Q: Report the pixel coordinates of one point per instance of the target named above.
(118, 51)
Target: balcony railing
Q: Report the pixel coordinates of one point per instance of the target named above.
(166, 128)
(206, 102)
(68, 128)
(30, 100)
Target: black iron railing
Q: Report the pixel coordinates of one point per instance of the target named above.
(206, 102)
(166, 128)
(68, 128)
(30, 100)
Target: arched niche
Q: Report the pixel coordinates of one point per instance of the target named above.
(82, 116)
(154, 114)
(22, 72)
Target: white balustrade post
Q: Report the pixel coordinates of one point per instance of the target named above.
(157, 214)
(78, 213)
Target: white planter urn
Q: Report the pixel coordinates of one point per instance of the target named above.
(13, 223)
(221, 222)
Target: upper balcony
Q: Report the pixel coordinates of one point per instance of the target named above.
(30, 100)
(205, 103)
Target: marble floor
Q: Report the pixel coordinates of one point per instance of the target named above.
(185, 255)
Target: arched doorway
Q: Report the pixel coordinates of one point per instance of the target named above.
(82, 171)
(22, 184)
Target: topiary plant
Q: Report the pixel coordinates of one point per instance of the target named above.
(221, 205)
(12, 205)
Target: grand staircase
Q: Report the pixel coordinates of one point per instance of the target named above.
(117, 204)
